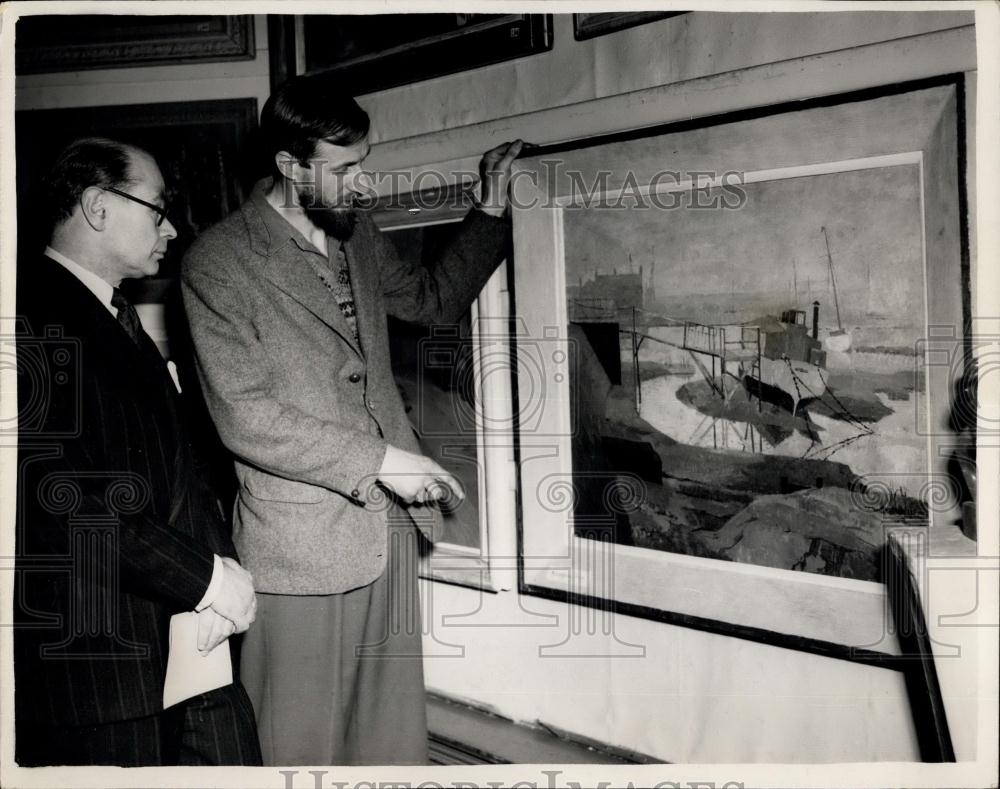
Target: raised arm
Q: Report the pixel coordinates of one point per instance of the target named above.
(442, 292)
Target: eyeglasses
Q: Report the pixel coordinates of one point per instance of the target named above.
(161, 212)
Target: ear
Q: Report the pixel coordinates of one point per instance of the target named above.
(286, 164)
(93, 204)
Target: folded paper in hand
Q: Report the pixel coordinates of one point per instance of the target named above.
(189, 673)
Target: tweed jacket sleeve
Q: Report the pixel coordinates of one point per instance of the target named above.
(442, 293)
(253, 411)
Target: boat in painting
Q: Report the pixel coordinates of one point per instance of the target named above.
(790, 359)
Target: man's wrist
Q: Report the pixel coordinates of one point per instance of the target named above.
(213, 586)
(495, 211)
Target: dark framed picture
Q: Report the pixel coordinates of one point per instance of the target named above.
(70, 43)
(373, 52)
(592, 25)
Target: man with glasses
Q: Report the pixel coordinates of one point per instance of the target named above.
(117, 531)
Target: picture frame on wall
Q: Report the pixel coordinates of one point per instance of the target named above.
(377, 51)
(753, 496)
(587, 26)
(456, 393)
(71, 43)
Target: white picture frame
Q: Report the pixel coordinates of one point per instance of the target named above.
(914, 125)
(490, 565)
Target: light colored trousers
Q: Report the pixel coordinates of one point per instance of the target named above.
(338, 679)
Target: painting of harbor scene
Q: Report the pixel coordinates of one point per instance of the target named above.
(754, 368)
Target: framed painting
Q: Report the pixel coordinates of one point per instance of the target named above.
(598, 24)
(456, 390)
(747, 330)
(70, 43)
(372, 52)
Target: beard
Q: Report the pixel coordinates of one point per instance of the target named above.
(338, 221)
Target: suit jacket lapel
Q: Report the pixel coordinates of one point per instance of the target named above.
(289, 269)
(84, 315)
(140, 360)
(141, 374)
(364, 282)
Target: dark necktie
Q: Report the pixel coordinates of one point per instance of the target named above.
(128, 318)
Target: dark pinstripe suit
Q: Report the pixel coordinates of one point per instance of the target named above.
(116, 532)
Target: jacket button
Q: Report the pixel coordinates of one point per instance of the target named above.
(354, 378)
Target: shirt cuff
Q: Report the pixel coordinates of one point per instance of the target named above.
(478, 207)
(213, 585)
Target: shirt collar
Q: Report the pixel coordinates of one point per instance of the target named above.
(279, 230)
(101, 289)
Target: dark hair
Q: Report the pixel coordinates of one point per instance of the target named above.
(91, 161)
(306, 110)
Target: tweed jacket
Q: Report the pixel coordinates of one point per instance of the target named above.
(116, 529)
(306, 409)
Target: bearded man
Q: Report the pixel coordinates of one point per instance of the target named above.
(287, 301)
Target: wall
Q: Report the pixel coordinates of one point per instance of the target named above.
(693, 696)
(668, 52)
(186, 82)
